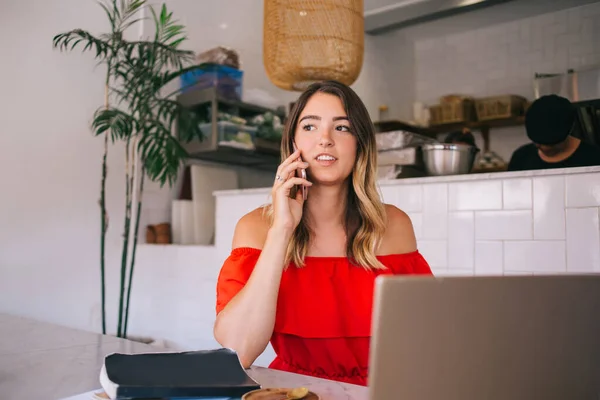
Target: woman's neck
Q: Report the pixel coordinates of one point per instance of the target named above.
(326, 205)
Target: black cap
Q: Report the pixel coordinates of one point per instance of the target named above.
(549, 120)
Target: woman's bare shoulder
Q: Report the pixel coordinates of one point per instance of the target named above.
(251, 230)
(399, 234)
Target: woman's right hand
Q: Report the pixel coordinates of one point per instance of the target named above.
(287, 211)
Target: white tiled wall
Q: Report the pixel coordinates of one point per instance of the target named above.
(502, 58)
(508, 224)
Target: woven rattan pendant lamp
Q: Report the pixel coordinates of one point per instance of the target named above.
(311, 40)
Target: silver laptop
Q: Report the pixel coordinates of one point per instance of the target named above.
(492, 338)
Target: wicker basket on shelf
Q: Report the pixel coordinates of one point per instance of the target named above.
(311, 40)
(500, 107)
(453, 111)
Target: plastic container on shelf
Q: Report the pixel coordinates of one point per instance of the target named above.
(227, 80)
(232, 135)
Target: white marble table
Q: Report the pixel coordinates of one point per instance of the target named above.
(39, 361)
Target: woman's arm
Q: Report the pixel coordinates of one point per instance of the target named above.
(246, 323)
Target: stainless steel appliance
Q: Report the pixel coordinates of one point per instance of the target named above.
(448, 158)
(399, 154)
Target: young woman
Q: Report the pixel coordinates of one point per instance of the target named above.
(301, 272)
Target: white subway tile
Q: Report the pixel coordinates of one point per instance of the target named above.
(503, 225)
(456, 272)
(409, 198)
(464, 196)
(489, 258)
(546, 20)
(574, 18)
(512, 27)
(417, 222)
(535, 256)
(461, 240)
(583, 190)
(556, 29)
(587, 31)
(517, 194)
(438, 271)
(435, 211)
(229, 210)
(546, 273)
(389, 194)
(434, 252)
(566, 40)
(524, 31)
(548, 208)
(583, 240)
(425, 44)
(509, 273)
(225, 226)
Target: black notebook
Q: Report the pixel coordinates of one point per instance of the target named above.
(209, 373)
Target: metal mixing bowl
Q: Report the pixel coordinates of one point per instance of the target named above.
(448, 159)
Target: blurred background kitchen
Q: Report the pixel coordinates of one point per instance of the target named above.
(432, 73)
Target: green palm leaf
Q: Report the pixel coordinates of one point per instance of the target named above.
(118, 123)
(161, 152)
(70, 40)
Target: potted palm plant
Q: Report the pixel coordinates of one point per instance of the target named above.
(138, 114)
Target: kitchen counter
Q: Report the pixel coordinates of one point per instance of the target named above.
(39, 360)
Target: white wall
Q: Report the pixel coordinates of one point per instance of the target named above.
(493, 51)
(50, 167)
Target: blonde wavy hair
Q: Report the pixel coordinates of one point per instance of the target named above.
(365, 216)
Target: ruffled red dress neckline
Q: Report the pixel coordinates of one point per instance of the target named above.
(250, 250)
(323, 318)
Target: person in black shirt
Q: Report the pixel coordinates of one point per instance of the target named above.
(549, 122)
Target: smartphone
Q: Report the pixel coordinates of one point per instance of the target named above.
(302, 175)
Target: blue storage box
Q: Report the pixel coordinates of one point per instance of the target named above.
(227, 80)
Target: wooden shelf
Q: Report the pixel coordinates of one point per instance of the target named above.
(482, 126)
(395, 125)
(479, 125)
(433, 131)
(240, 157)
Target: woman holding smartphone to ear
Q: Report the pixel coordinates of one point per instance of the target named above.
(301, 271)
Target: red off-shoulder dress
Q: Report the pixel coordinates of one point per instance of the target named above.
(323, 319)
